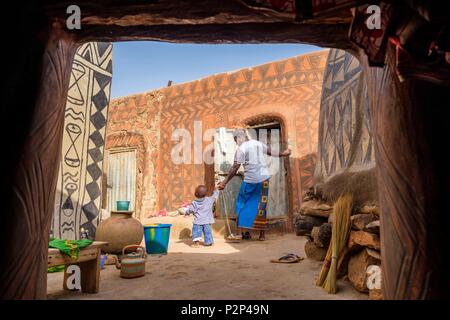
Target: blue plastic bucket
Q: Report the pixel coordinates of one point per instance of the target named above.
(157, 238)
(123, 205)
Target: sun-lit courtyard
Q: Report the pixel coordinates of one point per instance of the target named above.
(223, 271)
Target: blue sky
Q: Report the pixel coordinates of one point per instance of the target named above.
(140, 66)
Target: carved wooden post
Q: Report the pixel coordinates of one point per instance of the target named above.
(411, 123)
(32, 165)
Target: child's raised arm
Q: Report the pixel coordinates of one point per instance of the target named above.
(215, 194)
(190, 209)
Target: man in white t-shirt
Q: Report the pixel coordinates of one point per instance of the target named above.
(251, 204)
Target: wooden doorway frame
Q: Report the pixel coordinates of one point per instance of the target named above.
(106, 171)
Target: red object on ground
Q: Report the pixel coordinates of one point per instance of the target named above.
(160, 213)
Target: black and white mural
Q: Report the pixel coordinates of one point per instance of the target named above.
(78, 194)
(345, 129)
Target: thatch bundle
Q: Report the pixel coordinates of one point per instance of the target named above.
(342, 211)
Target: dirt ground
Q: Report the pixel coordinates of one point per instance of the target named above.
(223, 271)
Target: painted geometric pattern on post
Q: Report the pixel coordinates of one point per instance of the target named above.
(344, 105)
(78, 194)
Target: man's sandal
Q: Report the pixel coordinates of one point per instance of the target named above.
(289, 258)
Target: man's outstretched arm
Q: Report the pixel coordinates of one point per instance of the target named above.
(231, 173)
(285, 153)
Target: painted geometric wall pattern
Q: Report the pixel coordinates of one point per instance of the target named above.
(78, 195)
(293, 85)
(344, 106)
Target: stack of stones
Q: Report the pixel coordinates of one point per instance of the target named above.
(360, 262)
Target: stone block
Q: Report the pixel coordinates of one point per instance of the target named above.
(314, 252)
(322, 235)
(359, 221)
(304, 224)
(373, 227)
(357, 268)
(363, 239)
(316, 209)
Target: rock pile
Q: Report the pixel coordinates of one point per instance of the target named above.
(360, 261)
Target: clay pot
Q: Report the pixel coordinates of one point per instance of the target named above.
(119, 230)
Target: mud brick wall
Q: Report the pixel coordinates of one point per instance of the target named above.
(287, 90)
(134, 123)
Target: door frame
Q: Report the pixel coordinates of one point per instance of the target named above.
(123, 141)
(261, 120)
(108, 152)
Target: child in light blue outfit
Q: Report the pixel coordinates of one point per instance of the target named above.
(202, 209)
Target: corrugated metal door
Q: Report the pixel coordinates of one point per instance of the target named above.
(121, 178)
(224, 149)
(277, 204)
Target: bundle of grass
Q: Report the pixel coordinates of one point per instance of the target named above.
(325, 267)
(340, 231)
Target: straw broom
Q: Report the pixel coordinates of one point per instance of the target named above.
(325, 267)
(340, 231)
(327, 261)
(226, 212)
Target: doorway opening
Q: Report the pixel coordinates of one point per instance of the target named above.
(271, 101)
(270, 132)
(121, 178)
